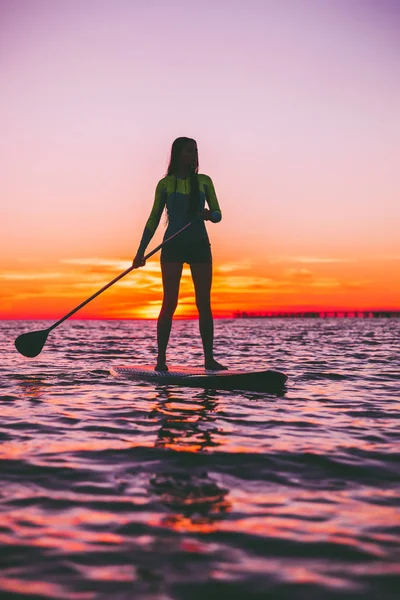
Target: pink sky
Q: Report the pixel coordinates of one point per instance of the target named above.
(294, 105)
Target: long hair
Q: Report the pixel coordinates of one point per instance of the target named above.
(176, 151)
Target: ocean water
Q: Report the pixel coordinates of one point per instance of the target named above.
(114, 489)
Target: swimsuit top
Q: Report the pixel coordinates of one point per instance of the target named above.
(172, 193)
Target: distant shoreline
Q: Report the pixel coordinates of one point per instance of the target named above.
(320, 314)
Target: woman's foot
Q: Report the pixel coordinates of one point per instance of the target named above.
(213, 365)
(161, 366)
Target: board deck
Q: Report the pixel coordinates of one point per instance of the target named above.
(260, 381)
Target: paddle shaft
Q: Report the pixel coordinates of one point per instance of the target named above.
(103, 289)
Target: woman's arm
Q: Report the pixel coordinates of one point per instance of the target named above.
(152, 223)
(214, 214)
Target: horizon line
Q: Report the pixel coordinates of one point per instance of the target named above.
(298, 313)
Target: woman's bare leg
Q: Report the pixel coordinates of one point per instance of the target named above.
(202, 278)
(171, 277)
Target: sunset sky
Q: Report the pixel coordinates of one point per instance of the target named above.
(295, 108)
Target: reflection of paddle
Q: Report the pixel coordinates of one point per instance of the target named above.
(31, 344)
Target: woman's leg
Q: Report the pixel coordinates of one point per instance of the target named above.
(202, 278)
(171, 277)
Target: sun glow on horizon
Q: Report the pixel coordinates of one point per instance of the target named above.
(277, 284)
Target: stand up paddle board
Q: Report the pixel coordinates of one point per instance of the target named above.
(255, 381)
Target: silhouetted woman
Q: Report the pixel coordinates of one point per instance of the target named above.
(183, 192)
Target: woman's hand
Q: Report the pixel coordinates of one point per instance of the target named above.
(206, 214)
(138, 261)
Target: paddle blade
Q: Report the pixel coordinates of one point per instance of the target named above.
(31, 344)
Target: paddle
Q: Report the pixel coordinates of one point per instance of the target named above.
(31, 344)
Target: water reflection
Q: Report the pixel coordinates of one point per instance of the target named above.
(187, 425)
(33, 388)
(88, 501)
(193, 498)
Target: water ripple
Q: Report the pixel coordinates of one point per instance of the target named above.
(111, 489)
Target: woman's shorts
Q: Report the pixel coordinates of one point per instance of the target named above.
(198, 251)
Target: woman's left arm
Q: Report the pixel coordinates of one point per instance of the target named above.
(214, 214)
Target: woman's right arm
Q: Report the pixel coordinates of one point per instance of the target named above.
(152, 223)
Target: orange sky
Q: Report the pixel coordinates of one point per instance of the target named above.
(295, 111)
(285, 283)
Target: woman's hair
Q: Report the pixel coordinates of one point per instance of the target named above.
(176, 151)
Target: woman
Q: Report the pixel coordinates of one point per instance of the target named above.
(183, 193)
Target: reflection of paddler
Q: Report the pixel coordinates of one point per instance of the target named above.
(183, 426)
(190, 493)
(183, 192)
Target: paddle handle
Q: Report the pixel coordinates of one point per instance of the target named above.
(120, 276)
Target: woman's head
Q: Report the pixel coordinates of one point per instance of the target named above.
(183, 154)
